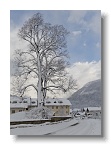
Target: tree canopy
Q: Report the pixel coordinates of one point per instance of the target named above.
(45, 59)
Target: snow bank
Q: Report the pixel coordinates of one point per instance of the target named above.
(20, 116)
(39, 113)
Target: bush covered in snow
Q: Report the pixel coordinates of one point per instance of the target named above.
(39, 113)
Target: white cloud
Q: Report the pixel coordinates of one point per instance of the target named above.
(93, 23)
(15, 41)
(76, 33)
(84, 44)
(77, 16)
(85, 72)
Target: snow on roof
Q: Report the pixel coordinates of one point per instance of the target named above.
(24, 100)
(15, 98)
(18, 105)
(18, 102)
(93, 108)
(89, 108)
(76, 109)
(57, 102)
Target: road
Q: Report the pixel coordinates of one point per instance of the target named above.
(85, 127)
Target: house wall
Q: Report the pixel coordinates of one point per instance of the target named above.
(16, 110)
(95, 113)
(31, 107)
(60, 110)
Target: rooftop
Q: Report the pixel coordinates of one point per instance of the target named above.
(57, 102)
(18, 102)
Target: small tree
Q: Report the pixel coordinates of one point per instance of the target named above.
(83, 109)
(87, 110)
(44, 59)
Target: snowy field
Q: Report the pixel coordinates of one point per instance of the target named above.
(67, 127)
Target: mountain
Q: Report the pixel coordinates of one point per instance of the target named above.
(88, 96)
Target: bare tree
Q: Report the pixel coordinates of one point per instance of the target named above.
(45, 57)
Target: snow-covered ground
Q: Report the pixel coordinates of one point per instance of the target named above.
(67, 127)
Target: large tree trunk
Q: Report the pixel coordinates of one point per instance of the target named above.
(39, 94)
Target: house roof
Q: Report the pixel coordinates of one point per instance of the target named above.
(57, 102)
(89, 108)
(93, 108)
(18, 105)
(17, 102)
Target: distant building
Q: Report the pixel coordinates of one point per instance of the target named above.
(60, 106)
(94, 112)
(90, 112)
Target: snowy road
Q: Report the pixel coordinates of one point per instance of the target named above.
(85, 127)
(71, 127)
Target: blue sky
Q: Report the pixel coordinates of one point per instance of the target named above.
(84, 40)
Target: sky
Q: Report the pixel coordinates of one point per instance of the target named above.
(83, 41)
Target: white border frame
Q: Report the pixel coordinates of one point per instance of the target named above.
(5, 7)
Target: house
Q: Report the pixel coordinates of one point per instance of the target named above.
(17, 104)
(14, 108)
(93, 112)
(89, 112)
(59, 106)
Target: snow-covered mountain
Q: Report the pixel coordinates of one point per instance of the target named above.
(88, 96)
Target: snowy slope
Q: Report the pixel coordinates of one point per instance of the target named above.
(88, 96)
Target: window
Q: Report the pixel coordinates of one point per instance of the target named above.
(24, 101)
(48, 102)
(13, 111)
(20, 110)
(96, 114)
(14, 101)
(66, 112)
(56, 107)
(60, 102)
(52, 107)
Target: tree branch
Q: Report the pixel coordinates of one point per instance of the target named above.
(30, 85)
